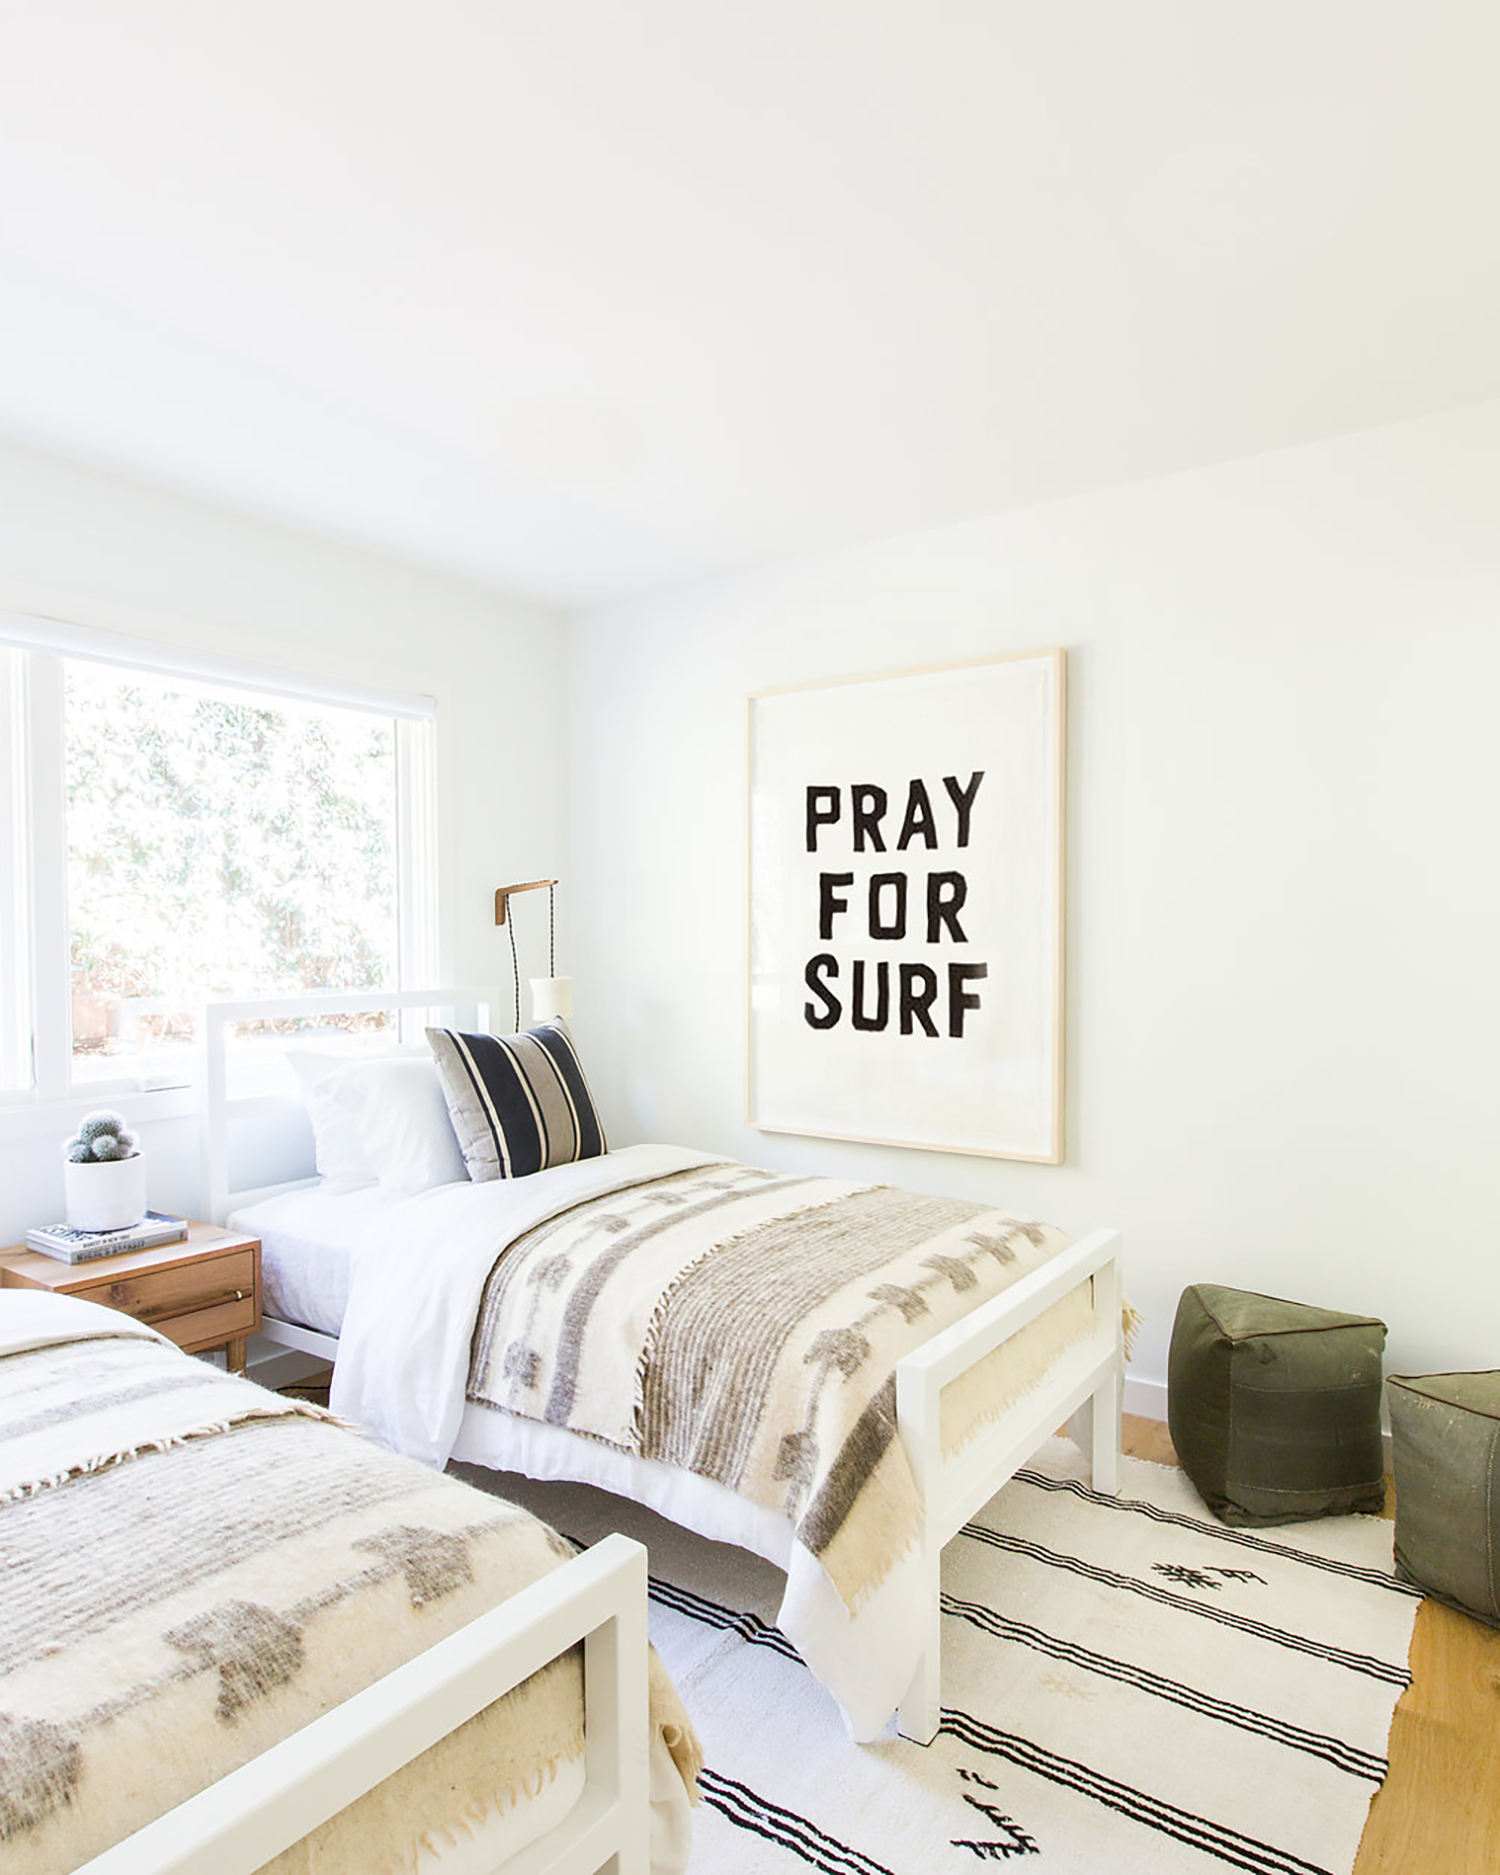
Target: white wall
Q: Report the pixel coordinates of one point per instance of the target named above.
(1284, 871)
(114, 554)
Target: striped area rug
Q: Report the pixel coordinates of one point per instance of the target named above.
(1129, 1689)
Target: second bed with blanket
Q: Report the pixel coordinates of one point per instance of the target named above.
(717, 1341)
(196, 1569)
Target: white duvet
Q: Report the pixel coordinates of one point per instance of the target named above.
(403, 1361)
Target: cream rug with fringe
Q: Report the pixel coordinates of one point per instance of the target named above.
(1129, 1688)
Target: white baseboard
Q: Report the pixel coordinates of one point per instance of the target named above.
(1147, 1399)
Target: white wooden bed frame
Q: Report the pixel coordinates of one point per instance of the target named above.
(253, 1814)
(1083, 1387)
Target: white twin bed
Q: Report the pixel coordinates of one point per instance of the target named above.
(386, 1280)
(240, 1638)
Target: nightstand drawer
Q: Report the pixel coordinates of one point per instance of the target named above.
(207, 1286)
(211, 1328)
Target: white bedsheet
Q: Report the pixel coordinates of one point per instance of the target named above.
(309, 1241)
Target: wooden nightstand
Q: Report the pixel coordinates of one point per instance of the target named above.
(204, 1293)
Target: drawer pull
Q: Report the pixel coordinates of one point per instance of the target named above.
(192, 1307)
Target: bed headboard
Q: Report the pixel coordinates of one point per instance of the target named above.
(457, 1008)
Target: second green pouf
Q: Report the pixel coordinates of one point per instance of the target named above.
(1445, 1430)
(1274, 1406)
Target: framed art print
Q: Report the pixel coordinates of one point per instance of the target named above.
(906, 908)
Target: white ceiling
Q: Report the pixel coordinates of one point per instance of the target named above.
(585, 296)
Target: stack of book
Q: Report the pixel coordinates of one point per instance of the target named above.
(82, 1246)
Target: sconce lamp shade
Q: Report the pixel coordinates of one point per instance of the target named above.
(551, 997)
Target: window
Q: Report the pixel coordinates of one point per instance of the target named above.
(168, 835)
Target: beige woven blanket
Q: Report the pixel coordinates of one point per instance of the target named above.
(52, 1430)
(169, 1616)
(745, 1325)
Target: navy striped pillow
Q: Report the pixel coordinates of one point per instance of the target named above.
(519, 1103)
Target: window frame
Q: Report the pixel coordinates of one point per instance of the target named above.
(35, 954)
(15, 884)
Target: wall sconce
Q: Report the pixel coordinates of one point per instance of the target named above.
(551, 995)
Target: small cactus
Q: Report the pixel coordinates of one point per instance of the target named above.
(101, 1138)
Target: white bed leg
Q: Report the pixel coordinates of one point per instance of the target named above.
(1095, 1430)
(1104, 1441)
(918, 1416)
(1104, 1408)
(922, 1708)
(1081, 1429)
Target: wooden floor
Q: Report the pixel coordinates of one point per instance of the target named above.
(1438, 1812)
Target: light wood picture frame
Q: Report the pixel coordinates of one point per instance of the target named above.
(907, 848)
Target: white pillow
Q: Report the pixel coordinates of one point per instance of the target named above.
(381, 1120)
(409, 1138)
(334, 1108)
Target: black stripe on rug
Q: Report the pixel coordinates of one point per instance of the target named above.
(747, 1809)
(750, 1628)
(1198, 1832)
(1334, 1751)
(1280, 1637)
(1224, 1532)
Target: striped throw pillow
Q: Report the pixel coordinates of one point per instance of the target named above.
(519, 1103)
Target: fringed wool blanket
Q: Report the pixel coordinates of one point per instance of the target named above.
(745, 1326)
(52, 1429)
(194, 1568)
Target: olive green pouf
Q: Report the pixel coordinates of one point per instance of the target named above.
(1274, 1407)
(1445, 1433)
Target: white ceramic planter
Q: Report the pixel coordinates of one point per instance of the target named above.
(107, 1195)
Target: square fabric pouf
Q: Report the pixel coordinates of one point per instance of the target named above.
(1274, 1407)
(1445, 1431)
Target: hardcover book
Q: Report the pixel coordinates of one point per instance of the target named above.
(82, 1246)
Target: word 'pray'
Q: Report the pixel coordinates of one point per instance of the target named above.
(868, 805)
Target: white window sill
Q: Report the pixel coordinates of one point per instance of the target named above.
(55, 1119)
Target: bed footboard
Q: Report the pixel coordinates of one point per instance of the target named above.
(1083, 1387)
(240, 1823)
